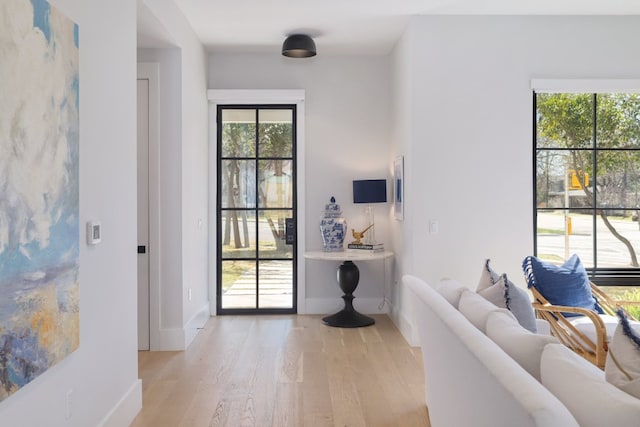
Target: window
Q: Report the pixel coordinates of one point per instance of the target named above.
(587, 182)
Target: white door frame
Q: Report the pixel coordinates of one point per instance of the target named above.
(143, 213)
(151, 71)
(258, 96)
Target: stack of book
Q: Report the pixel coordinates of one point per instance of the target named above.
(361, 247)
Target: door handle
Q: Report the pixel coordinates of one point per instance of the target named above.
(289, 232)
(142, 249)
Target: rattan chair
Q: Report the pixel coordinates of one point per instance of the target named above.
(568, 334)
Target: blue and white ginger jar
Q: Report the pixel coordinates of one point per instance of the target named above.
(333, 227)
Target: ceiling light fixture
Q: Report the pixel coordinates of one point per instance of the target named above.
(299, 46)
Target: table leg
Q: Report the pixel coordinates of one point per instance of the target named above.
(348, 317)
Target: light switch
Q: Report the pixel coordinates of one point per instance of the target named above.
(433, 227)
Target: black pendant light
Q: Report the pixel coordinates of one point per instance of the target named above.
(299, 46)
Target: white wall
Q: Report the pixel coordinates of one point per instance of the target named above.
(347, 122)
(195, 152)
(471, 131)
(183, 178)
(401, 143)
(103, 372)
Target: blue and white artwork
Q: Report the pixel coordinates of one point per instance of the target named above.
(39, 225)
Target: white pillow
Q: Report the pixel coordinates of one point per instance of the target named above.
(582, 387)
(477, 309)
(505, 294)
(487, 277)
(451, 290)
(523, 346)
(622, 367)
(585, 325)
(543, 327)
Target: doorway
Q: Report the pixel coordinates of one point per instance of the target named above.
(256, 208)
(148, 206)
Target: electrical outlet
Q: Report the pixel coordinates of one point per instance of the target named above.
(69, 404)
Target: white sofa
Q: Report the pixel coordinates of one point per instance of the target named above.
(483, 368)
(470, 380)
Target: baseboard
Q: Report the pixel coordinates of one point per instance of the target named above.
(332, 305)
(126, 409)
(176, 339)
(196, 323)
(170, 340)
(404, 325)
(407, 330)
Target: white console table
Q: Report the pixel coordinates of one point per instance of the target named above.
(348, 278)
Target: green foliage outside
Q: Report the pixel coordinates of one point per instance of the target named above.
(550, 231)
(232, 270)
(625, 293)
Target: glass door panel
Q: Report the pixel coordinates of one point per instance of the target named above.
(276, 284)
(276, 183)
(272, 234)
(239, 234)
(238, 183)
(238, 284)
(276, 136)
(238, 133)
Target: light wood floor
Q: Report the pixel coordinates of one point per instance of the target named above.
(285, 371)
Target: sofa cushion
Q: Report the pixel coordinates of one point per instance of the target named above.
(622, 367)
(582, 387)
(505, 294)
(477, 309)
(451, 290)
(567, 284)
(523, 346)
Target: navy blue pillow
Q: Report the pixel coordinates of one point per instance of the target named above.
(567, 284)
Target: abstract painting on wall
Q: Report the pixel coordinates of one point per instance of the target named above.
(39, 224)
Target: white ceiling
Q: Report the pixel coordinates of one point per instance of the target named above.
(342, 26)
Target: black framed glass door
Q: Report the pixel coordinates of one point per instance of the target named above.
(256, 207)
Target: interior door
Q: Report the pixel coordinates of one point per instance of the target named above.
(143, 214)
(256, 209)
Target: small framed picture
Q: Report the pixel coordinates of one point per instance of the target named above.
(398, 188)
